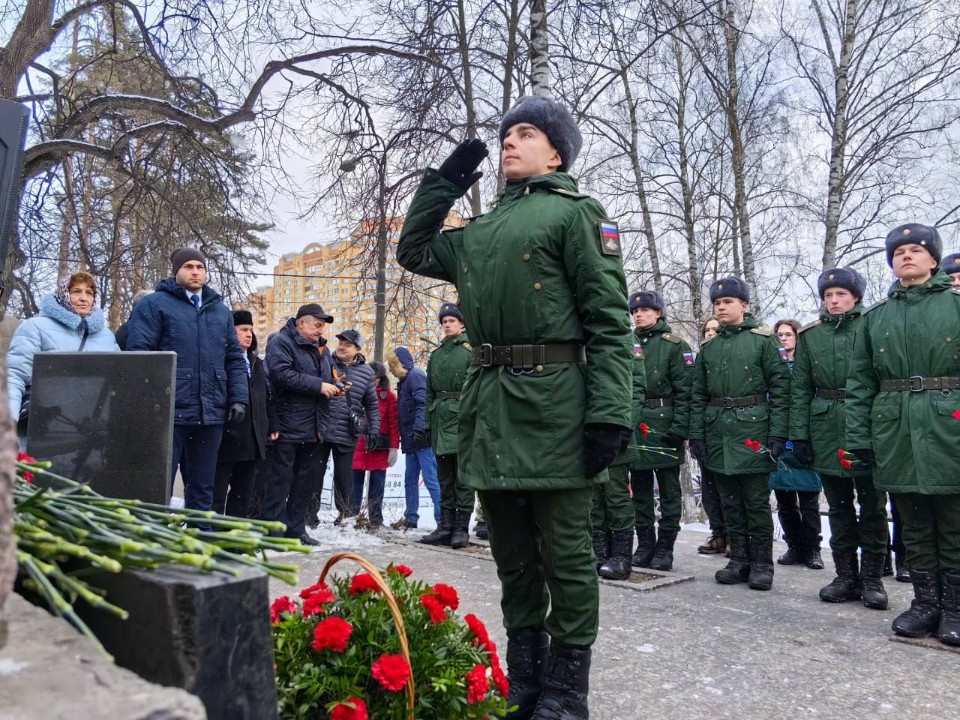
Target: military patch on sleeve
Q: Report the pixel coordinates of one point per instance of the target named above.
(688, 358)
(609, 237)
(638, 350)
(783, 353)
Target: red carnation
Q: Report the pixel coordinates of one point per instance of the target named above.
(499, 679)
(363, 582)
(433, 606)
(644, 429)
(313, 589)
(391, 671)
(841, 453)
(400, 570)
(447, 596)
(352, 709)
(477, 628)
(332, 633)
(754, 445)
(316, 603)
(956, 415)
(24, 458)
(282, 604)
(477, 684)
(846, 464)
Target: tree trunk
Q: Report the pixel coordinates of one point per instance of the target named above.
(468, 98)
(693, 266)
(540, 81)
(513, 25)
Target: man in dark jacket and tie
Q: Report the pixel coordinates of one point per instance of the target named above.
(188, 317)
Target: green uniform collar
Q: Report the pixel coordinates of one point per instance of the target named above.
(939, 282)
(840, 320)
(660, 328)
(515, 189)
(456, 339)
(749, 323)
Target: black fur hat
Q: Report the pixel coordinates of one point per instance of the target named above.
(729, 286)
(845, 277)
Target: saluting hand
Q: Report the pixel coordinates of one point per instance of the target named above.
(460, 167)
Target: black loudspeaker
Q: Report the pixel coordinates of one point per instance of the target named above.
(13, 135)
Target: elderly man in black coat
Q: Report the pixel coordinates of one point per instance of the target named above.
(243, 447)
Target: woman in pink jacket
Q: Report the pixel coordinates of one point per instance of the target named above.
(377, 452)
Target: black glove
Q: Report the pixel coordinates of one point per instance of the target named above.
(803, 452)
(461, 167)
(777, 446)
(866, 456)
(236, 413)
(421, 439)
(601, 445)
(673, 440)
(698, 450)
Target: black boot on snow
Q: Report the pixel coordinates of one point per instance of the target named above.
(949, 631)
(871, 572)
(923, 616)
(663, 552)
(565, 684)
(444, 532)
(618, 566)
(846, 585)
(646, 544)
(526, 663)
(601, 547)
(761, 564)
(460, 537)
(793, 556)
(738, 569)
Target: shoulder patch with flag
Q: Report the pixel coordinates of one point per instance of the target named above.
(638, 350)
(609, 237)
(688, 358)
(783, 354)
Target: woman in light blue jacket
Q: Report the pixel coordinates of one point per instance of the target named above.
(69, 321)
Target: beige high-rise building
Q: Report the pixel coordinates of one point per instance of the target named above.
(341, 276)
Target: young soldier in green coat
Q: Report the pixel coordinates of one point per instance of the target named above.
(903, 417)
(446, 372)
(741, 392)
(951, 266)
(817, 417)
(612, 509)
(546, 405)
(665, 416)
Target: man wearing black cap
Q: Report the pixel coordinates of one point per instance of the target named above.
(817, 418)
(741, 402)
(446, 372)
(951, 266)
(244, 445)
(665, 418)
(301, 372)
(903, 419)
(546, 405)
(188, 317)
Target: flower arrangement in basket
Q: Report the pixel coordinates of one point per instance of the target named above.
(377, 646)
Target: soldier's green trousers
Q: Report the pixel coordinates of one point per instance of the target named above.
(541, 542)
(931, 530)
(746, 504)
(671, 497)
(611, 502)
(454, 495)
(848, 531)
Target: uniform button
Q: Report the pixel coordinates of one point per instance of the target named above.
(465, 270)
(539, 368)
(526, 257)
(536, 286)
(948, 339)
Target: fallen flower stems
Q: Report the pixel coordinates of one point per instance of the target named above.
(70, 532)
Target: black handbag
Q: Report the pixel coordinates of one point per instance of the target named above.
(358, 424)
(378, 442)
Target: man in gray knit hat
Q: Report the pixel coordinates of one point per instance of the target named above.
(545, 407)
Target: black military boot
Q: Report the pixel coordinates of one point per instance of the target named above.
(903, 575)
(460, 537)
(949, 631)
(526, 663)
(738, 569)
(793, 556)
(663, 553)
(444, 532)
(618, 566)
(601, 547)
(646, 544)
(923, 615)
(871, 574)
(565, 684)
(761, 563)
(846, 585)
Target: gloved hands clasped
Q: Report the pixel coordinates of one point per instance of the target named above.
(236, 413)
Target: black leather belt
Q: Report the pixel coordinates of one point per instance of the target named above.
(746, 401)
(444, 395)
(919, 383)
(838, 394)
(527, 357)
(658, 402)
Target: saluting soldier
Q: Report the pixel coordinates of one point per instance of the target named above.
(446, 373)
(951, 266)
(665, 422)
(546, 405)
(613, 515)
(903, 418)
(741, 393)
(817, 418)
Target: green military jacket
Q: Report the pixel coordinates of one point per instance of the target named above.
(915, 332)
(669, 364)
(740, 361)
(446, 373)
(532, 270)
(824, 350)
(629, 456)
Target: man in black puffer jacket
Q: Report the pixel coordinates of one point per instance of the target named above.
(354, 413)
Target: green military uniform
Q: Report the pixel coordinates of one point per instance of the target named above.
(817, 414)
(534, 270)
(741, 392)
(903, 402)
(670, 369)
(446, 373)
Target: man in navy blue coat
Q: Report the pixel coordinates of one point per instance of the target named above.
(188, 317)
